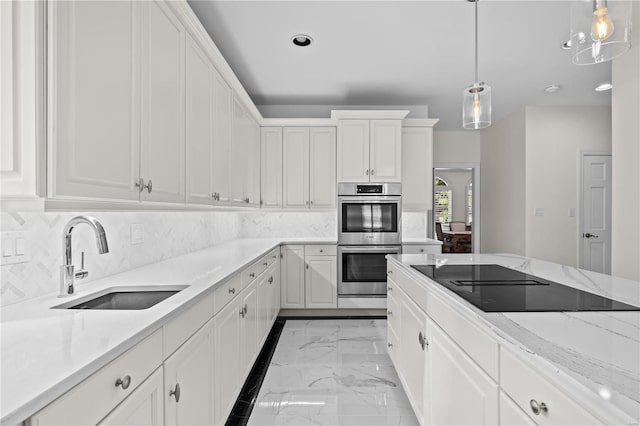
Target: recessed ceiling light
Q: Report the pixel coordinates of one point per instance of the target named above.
(604, 87)
(301, 40)
(553, 88)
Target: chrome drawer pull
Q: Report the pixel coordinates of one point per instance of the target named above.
(232, 290)
(176, 392)
(124, 383)
(538, 408)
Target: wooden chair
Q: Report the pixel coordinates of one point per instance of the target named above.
(446, 242)
(457, 226)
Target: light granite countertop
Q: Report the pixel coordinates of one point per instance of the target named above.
(593, 356)
(45, 352)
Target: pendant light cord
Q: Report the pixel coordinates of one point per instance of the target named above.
(476, 8)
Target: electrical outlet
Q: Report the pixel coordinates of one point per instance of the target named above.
(14, 247)
(137, 233)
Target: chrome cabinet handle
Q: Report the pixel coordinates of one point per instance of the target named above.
(242, 312)
(321, 251)
(274, 256)
(538, 408)
(149, 186)
(140, 184)
(367, 172)
(124, 382)
(389, 288)
(175, 392)
(389, 345)
(232, 290)
(389, 313)
(307, 265)
(265, 263)
(588, 235)
(252, 275)
(421, 250)
(270, 281)
(245, 310)
(389, 272)
(306, 202)
(371, 172)
(261, 203)
(246, 200)
(423, 341)
(216, 196)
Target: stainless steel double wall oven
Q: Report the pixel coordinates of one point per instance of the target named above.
(369, 228)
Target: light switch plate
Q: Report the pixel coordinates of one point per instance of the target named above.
(137, 233)
(14, 247)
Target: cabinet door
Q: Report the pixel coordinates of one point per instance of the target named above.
(274, 308)
(386, 151)
(94, 147)
(511, 414)
(417, 168)
(162, 131)
(248, 329)
(239, 158)
(461, 393)
(353, 151)
(292, 277)
(271, 167)
(199, 128)
(321, 289)
(143, 407)
(188, 379)
(295, 165)
(221, 140)
(264, 306)
(322, 167)
(227, 360)
(254, 164)
(412, 365)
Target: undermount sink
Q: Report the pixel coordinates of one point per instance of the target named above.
(124, 298)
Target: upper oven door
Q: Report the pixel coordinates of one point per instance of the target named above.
(369, 220)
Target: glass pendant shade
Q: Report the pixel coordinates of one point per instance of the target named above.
(600, 30)
(476, 106)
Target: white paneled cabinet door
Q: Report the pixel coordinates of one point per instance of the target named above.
(385, 151)
(239, 157)
(295, 166)
(274, 308)
(227, 360)
(321, 276)
(417, 168)
(248, 328)
(264, 305)
(253, 170)
(94, 149)
(292, 277)
(322, 167)
(413, 362)
(221, 140)
(143, 407)
(511, 414)
(162, 130)
(188, 379)
(461, 393)
(271, 167)
(353, 151)
(199, 128)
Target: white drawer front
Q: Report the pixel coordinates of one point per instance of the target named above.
(524, 385)
(90, 401)
(249, 274)
(321, 250)
(226, 292)
(421, 249)
(186, 324)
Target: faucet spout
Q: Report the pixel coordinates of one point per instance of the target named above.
(67, 274)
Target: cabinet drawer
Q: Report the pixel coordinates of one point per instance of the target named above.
(320, 250)
(416, 291)
(524, 385)
(475, 342)
(249, 274)
(421, 249)
(226, 292)
(186, 324)
(90, 401)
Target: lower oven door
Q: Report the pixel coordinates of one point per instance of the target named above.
(362, 270)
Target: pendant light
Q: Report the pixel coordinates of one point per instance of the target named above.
(600, 30)
(476, 99)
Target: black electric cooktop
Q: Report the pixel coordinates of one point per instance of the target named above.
(494, 288)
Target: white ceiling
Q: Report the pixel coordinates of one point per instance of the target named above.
(402, 53)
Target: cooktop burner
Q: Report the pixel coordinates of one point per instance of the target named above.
(494, 288)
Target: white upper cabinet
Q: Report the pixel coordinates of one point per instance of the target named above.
(94, 145)
(162, 131)
(353, 151)
(199, 128)
(295, 165)
(322, 167)
(417, 168)
(221, 174)
(271, 167)
(369, 151)
(253, 171)
(245, 156)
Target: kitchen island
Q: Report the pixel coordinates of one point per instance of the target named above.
(529, 367)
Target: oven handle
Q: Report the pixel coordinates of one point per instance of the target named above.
(369, 200)
(370, 249)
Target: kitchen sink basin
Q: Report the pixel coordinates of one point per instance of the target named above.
(123, 298)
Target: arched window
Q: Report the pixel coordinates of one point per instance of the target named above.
(442, 201)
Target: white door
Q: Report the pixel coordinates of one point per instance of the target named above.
(239, 158)
(460, 392)
(94, 146)
(321, 289)
(274, 278)
(188, 381)
(322, 167)
(353, 151)
(385, 151)
(595, 254)
(162, 131)
(292, 277)
(271, 167)
(248, 329)
(253, 162)
(295, 167)
(417, 168)
(199, 128)
(227, 360)
(143, 407)
(221, 140)
(264, 304)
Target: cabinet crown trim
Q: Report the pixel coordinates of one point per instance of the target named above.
(368, 114)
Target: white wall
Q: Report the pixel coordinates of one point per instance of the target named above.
(503, 186)
(555, 136)
(625, 104)
(456, 146)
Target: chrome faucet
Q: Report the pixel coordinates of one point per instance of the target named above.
(67, 270)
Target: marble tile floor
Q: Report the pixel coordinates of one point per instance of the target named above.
(332, 372)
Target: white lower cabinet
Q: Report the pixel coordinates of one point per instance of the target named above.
(292, 276)
(320, 281)
(309, 277)
(188, 380)
(143, 407)
(248, 328)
